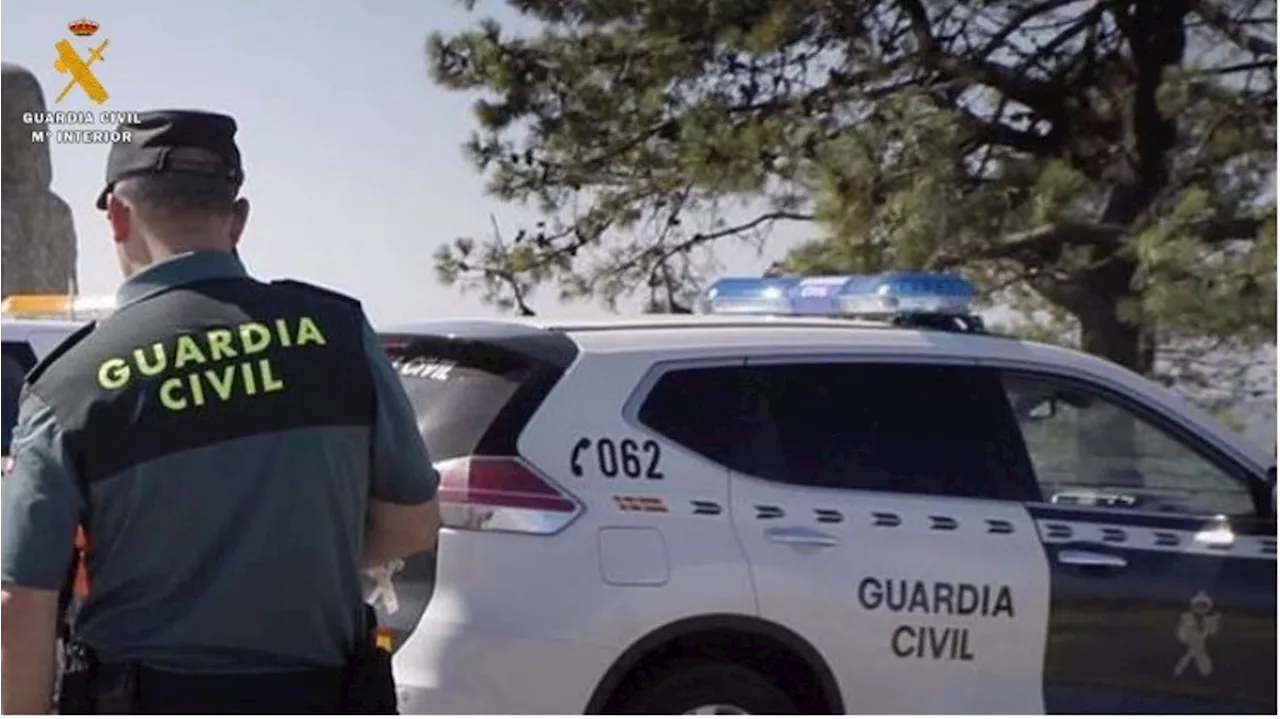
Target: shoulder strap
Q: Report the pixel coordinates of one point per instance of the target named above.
(71, 340)
(316, 290)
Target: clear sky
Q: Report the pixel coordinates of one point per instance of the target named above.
(352, 155)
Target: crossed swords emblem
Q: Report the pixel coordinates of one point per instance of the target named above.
(69, 61)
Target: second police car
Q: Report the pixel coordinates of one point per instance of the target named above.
(32, 326)
(775, 508)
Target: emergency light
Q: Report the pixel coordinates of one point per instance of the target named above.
(748, 295)
(56, 306)
(934, 299)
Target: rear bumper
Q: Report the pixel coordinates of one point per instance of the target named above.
(451, 669)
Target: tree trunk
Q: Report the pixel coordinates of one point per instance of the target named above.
(1095, 298)
(1104, 334)
(1156, 32)
(1110, 437)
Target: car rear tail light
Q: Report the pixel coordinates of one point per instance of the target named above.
(502, 494)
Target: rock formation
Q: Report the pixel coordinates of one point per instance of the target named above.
(39, 239)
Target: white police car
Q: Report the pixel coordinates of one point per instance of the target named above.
(750, 514)
(31, 326)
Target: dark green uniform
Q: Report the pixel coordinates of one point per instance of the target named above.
(227, 434)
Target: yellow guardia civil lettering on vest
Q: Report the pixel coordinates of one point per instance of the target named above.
(190, 383)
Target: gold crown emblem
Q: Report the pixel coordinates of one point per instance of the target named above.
(84, 27)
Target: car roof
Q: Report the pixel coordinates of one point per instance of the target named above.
(648, 333)
(720, 335)
(713, 335)
(15, 328)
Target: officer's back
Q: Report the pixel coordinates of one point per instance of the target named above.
(221, 440)
(238, 469)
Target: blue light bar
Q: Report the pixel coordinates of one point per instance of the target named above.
(747, 296)
(896, 293)
(887, 295)
(821, 295)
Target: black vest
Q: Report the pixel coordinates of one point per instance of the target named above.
(203, 363)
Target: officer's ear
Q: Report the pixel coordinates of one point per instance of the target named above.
(120, 217)
(239, 218)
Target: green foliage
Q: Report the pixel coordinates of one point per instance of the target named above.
(1085, 162)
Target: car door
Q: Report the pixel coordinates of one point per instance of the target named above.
(1162, 552)
(880, 508)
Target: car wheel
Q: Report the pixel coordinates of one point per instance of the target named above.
(716, 688)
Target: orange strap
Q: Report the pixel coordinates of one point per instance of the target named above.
(383, 638)
(80, 587)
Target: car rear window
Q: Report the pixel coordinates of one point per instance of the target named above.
(458, 389)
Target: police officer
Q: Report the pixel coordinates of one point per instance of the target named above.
(236, 451)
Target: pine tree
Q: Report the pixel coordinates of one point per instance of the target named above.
(1104, 166)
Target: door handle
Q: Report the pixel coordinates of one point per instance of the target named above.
(801, 537)
(1092, 560)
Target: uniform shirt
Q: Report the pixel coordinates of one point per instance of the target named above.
(227, 434)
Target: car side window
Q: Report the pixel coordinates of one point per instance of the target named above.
(1088, 449)
(897, 427)
(893, 427)
(701, 409)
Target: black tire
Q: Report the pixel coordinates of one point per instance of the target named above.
(681, 688)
